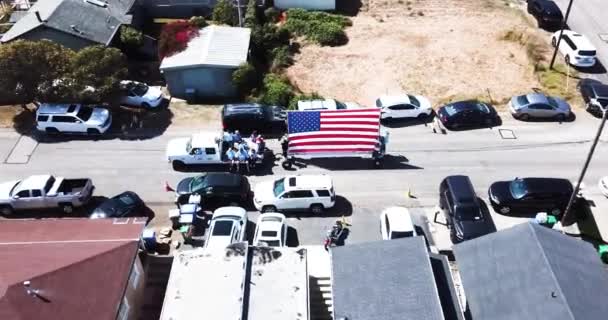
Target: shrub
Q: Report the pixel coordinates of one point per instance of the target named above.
(245, 79)
(223, 13)
(131, 37)
(276, 91)
(198, 22)
(251, 15)
(320, 27)
(272, 15)
(174, 37)
(265, 38)
(281, 58)
(293, 103)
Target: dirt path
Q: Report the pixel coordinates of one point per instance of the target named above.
(439, 48)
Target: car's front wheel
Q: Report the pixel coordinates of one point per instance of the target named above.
(67, 208)
(553, 41)
(317, 208)
(178, 165)
(504, 209)
(568, 60)
(145, 105)
(524, 117)
(6, 210)
(560, 117)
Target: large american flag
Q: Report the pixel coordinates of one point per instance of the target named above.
(331, 131)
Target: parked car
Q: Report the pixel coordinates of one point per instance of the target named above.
(139, 94)
(72, 118)
(228, 225)
(546, 12)
(44, 191)
(271, 230)
(404, 106)
(215, 188)
(603, 185)
(576, 48)
(523, 196)
(247, 117)
(295, 193)
(595, 95)
(396, 222)
(467, 114)
(462, 209)
(327, 104)
(206, 149)
(126, 204)
(539, 105)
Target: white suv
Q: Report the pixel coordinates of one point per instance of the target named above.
(295, 193)
(576, 48)
(72, 118)
(327, 104)
(139, 94)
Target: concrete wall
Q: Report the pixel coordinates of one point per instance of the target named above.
(208, 82)
(65, 39)
(134, 293)
(306, 4)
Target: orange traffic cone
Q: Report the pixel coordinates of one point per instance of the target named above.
(168, 187)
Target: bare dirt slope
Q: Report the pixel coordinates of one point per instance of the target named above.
(443, 49)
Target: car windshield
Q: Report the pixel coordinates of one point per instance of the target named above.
(414, 101)
(140, 89)
(222, 228)
(552, 102)
(189, 145)
(340, 105)
(482, 107)
(197, 183)
(84, 113)
(603, 102)
(589, 53)
(279, 187)
(378, 103)
(126, 199)
(518, 188)
(522, 100)
(451, 110)
(401, 234)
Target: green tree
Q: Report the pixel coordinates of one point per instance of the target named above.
(101, 68)
(245, 79)
(276, 91)
(272, 15)
(131, 37)
(29, 66)
(198, 21)
(223, 13)
(251, 15)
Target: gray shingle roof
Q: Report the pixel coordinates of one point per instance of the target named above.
(90, 21)
(532, 272)
(384, 280)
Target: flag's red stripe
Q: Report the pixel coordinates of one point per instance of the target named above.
(324, 112)
(331, 143)
(337, 116)
(313, 135)
(332, 150)
(349, 122)
(350, 129)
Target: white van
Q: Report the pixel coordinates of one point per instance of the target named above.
(327, 104)
(295, 193)
(72, 118)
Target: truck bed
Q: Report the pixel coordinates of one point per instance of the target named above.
(72, 186)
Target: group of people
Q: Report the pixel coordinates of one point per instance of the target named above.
(240, 152)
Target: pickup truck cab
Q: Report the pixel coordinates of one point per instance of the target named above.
(44, 191)
(203, 149)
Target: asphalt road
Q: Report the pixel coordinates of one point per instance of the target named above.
(418, 161)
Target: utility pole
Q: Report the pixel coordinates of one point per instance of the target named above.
(238, 7)
(589, 155)
(561, 31)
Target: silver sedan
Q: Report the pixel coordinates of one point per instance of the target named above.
(538, 105)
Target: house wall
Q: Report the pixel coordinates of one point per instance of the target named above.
(133, 299)
(65, 39)
(306, 4)
(176, 9)
(208, 82)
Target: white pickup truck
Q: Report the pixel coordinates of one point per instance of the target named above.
(44, 191)
(204, 149)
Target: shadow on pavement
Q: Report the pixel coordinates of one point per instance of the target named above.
(292, 237)
(597, 68)
(389, 162)
(342, 208)
(402, 123)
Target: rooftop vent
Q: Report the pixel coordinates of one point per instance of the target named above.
(97, 3)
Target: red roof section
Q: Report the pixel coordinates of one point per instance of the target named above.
(80, 266)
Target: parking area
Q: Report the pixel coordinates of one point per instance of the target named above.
(418, 160)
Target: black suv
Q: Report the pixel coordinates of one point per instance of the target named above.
(546, 12)
(247, 117)
(215, 188)
(595, 95)
(528, 196)
(462, 209)
(468, 114)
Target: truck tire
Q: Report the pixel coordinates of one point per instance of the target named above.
(317, 208)
(6, 210)
(178, 165)
(93, 131)
(67, 207)
(51, 130)
(287, 164)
